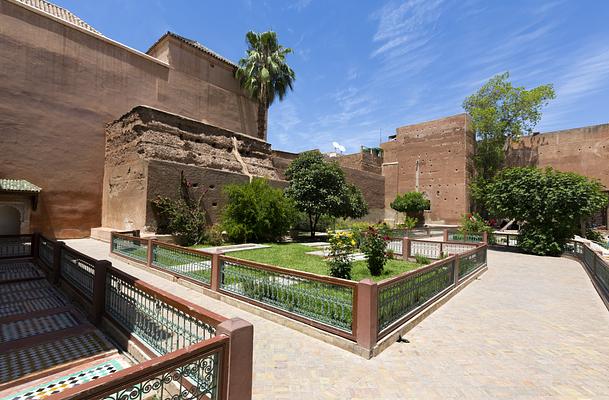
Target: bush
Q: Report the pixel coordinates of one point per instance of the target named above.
(595, 236)
(409, 223)
(373, 245)
(256, 212)
(215, 236)
(552, 205)
(184, 218)
(474, 223)
(410, 202)
(342, 245)
(422, 259)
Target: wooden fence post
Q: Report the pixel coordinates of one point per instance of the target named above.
(214, 279)
(240, 358)
(367, 314)
(405, 248)
(99, 291)
(56, 267)
(445, 235)
(485, 237)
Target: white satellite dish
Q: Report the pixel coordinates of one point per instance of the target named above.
(338, 147)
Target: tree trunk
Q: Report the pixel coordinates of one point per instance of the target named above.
(261, 120)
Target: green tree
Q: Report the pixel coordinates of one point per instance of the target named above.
(551, 204)
(410, 202)
(256, 212)
(318, 188)
(264, 73)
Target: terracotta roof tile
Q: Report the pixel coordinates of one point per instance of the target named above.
(59, 12)
(196, 45)
(18, 185)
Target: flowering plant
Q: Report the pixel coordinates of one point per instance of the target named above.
(342, 244)
(374, 245)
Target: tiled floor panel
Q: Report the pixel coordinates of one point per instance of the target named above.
(59, 385)
(24, 307)
(23, 286)
(19, 270)
(36, 326)
(25, 361)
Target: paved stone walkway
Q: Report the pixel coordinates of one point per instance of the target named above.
(529, 328)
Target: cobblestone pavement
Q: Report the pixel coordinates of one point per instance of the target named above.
(529, 328)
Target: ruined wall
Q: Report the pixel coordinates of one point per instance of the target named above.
(147, 148)
(443, 149)
(59, 86)
(581, 150)
(362, 161)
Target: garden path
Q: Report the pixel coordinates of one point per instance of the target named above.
(529, 328)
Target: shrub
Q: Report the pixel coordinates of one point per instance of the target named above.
(595, 236)
(184, 217)
(256, 212)
(342, 245)
(215, 236)
(552, 205)
(422, 259)
(410, 202)
(409, 223)
(474, 223)
(373, 245)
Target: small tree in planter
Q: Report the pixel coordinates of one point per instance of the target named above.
(374, 246)
(411, 203)
(342, 245)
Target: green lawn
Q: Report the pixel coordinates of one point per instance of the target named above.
(292, 255)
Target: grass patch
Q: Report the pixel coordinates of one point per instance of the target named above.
(293, 255)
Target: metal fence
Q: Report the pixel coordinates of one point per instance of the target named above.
(78, 270)
(598, 267)
(179, 260)
(471, 261)
(504, 239)
(326, 300)
(15, 246)
(467, 237)
(45, 251)
(435, 250)
(130, 246)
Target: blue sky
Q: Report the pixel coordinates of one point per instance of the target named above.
(367, 67)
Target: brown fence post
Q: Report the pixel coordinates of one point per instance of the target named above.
(485, 237)
(240, 357)
(99, 290)
(456, 271)
(34, 244)
(367, 314)
(214, 279)
(405, 248)
(445, 235)
(149, 254)
(56, 267)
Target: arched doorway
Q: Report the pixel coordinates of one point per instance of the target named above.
(10, 221)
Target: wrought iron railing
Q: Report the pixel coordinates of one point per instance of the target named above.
(471, 261)
(399, 296)
(161, 324)
(78, 270)
(182, 261)
(322, 299)
(15, 246)
(467, 237)
(504, 239)
(597, 266)
(45, 251)
(131, 247)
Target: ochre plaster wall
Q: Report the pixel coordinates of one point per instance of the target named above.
(59, 87)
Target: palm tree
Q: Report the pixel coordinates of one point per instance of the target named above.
(264, 73)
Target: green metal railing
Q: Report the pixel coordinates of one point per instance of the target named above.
(504, 239)
(470, 262)
(78, 270)
(193, 264)
(399, 296)
(45, 251)
(597, 266)
(130, 247)
(157, 323)
(325, 300)
(15, 246)
(469, 237)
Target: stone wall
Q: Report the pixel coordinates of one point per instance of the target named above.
(362, 161)
(146, 149)
(442, 149)
(60, 85)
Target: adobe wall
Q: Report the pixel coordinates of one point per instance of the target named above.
(581, 150)
(362, 161)
(443, 149)
(59, 86)
(146, 149)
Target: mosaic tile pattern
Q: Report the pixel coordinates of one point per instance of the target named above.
(27, 306)
(61, 384)
(25, 295)
(18, 270)
(36, 326)
(25, 361)
(23, 286)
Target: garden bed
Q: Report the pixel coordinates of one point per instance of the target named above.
(293, 256)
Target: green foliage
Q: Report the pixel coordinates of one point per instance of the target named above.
(324, 223)
(595, 236)
(409, 223)
(551, 204)
(422, 259)
(474, 223)
(183, 217)
(342, 245)
(318, 188)
(215, 236)
(373, 245)
(501, 112)
(264, 73)
(257, 212)
(410, 202)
